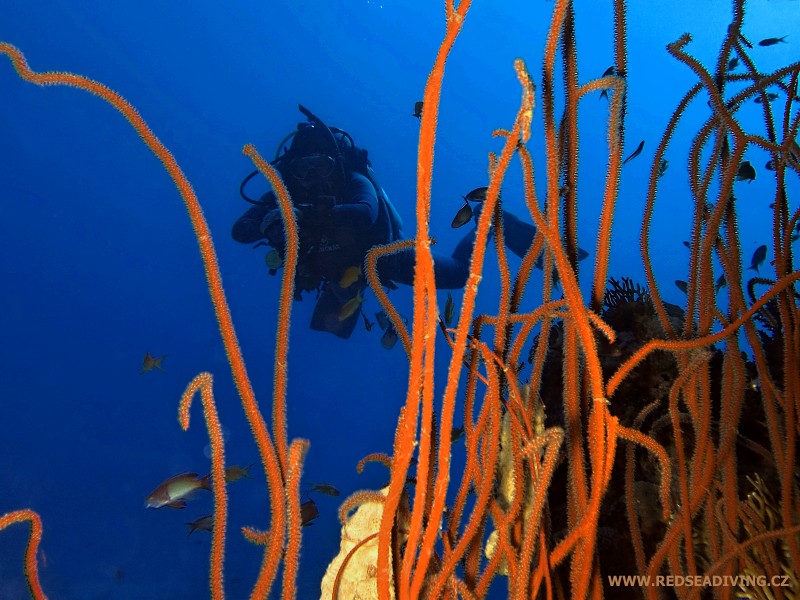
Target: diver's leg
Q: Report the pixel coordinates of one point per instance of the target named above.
(329, 314)
(450, 272)
(518, 234)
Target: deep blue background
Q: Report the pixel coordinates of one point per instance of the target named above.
(99, 263)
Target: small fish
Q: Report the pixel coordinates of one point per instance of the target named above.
(389, 338)
(688, 245)
(555, 279)
(635, 153)
(746, 172)
(770, 166)
(721, 283)
(325, 488)
(234, 473)
(794, 154)
(681, 285)
(476, 195)
(349, 277)
(773, 41)
(609, 71)
(308, 512)
(662, 167)
(351, 306)
(202, 524)
(418, 109)
(770, 97)
(151, 362)
(456, 434)
(758, 257)
(174, 491)
(367, 323)
(463, 216)
(733, 63)
(449, 309)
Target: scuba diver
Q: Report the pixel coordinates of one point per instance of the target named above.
(342, 212)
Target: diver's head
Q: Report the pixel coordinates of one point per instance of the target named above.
(310, 163)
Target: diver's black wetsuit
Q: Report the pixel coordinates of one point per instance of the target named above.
(338, 237)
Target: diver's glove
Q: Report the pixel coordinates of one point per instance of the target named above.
(272, 226)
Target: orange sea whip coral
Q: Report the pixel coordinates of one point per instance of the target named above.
(31, 567)
(275, 468)
(204, 383)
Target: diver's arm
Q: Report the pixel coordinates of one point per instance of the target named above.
(247, 228)
(361, 210)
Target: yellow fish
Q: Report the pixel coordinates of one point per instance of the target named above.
(349, 277)
(351, 306)
(151, 362)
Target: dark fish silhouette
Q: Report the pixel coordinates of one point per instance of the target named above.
(463, 216)
(308, 512)
(758, 257)
(746, 172)
(681, 285)
(449, 309)
(635, 153)
(367, 323)
(418, 110)
(476, 195)
(772, 41)
(662, 167)
(721, 283)
(325, 488)
(770, 97)
(609, 71)
(733, 63)
(770, 166)
(202, 524)
(456, 434)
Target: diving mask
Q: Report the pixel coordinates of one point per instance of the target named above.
(321, 165)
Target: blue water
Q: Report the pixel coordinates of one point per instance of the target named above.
(100, 265)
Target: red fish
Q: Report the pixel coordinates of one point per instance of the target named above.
(151, 362)
(174, 491)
